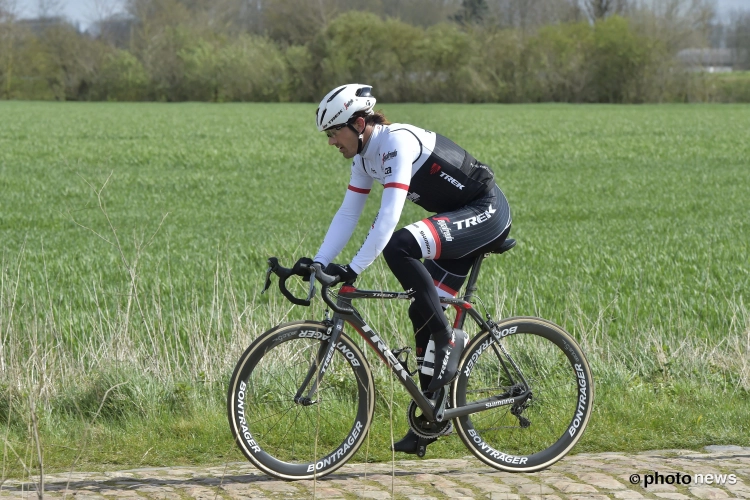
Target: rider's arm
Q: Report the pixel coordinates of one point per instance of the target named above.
(343, 223)
(397, 168)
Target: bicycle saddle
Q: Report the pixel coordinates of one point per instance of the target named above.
(507, 245)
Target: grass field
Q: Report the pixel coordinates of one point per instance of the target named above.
(134, 239)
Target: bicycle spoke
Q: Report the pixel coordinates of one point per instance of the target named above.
(275, 424)
(537, 427)
(292, 435)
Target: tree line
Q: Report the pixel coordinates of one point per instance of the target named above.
(614, 51)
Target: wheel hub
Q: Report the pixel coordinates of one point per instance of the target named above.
(519, 408)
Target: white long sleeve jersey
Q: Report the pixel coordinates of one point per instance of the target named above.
(410, 162)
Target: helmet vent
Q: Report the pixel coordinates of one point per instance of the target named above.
(363, 92)
(336, 93)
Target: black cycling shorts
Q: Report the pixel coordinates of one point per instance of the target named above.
(464, 232)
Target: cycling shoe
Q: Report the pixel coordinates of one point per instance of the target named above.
(448, 351)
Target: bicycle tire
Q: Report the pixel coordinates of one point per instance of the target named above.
(560, 405)
(289, 440)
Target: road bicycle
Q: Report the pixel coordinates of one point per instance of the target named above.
(302, 396)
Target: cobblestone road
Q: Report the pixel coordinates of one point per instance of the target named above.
(589, 476)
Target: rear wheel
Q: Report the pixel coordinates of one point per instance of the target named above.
(533, 357)
(291, 440)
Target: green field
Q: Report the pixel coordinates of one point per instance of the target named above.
(134, 239)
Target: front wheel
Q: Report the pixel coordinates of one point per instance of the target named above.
(300, 440)
(539, 360)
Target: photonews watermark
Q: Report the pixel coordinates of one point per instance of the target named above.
(678, 478)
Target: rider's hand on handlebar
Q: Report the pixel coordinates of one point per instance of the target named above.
(300, 268)
(344, 272)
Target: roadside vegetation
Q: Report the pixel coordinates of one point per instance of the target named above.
(468, 51)
(134, 240)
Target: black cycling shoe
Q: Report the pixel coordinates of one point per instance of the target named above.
(448, 351)
(413, 444)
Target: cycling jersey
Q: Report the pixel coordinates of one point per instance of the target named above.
(411, 163)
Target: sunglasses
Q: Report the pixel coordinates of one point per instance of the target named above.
(334, 130)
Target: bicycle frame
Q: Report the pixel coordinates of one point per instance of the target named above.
(433, 410)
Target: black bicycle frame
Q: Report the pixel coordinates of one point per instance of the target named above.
(433, 410)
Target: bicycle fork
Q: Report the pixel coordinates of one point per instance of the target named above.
(319, 365)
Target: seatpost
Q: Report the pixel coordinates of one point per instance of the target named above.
(471, 286)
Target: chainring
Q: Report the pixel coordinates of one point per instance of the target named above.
(423, 427)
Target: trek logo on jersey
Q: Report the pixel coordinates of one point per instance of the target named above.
(435, 168)
(388, 156)
(450, 179)
(473, 221)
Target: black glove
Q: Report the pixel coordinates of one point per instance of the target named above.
(298, 268)
(345, 273)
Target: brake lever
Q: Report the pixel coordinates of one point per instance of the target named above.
(268, 279)
(311, 293)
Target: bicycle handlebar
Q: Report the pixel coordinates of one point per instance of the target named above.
(316, 274)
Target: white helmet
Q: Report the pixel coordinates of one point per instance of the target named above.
(338, 106)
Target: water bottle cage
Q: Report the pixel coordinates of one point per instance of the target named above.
(405, 361)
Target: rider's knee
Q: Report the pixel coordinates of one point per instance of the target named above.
(401, 245)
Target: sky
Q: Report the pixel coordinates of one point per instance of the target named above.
(84, 11)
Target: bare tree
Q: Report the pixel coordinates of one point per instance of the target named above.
(415, 12)
(679, 24)
(599, 9)
(297, 21)
(250, 15)
(8, 14)
(472, 12)
(533, 13)
(50, 8)
(738, 39)
(99, 10)
(8, 10)
(109, 23)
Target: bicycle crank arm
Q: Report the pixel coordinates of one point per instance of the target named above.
(483, 404)
(439, 415)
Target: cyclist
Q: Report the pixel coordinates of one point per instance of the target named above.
(472, 216)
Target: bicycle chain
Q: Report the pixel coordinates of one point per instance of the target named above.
(416, 424)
